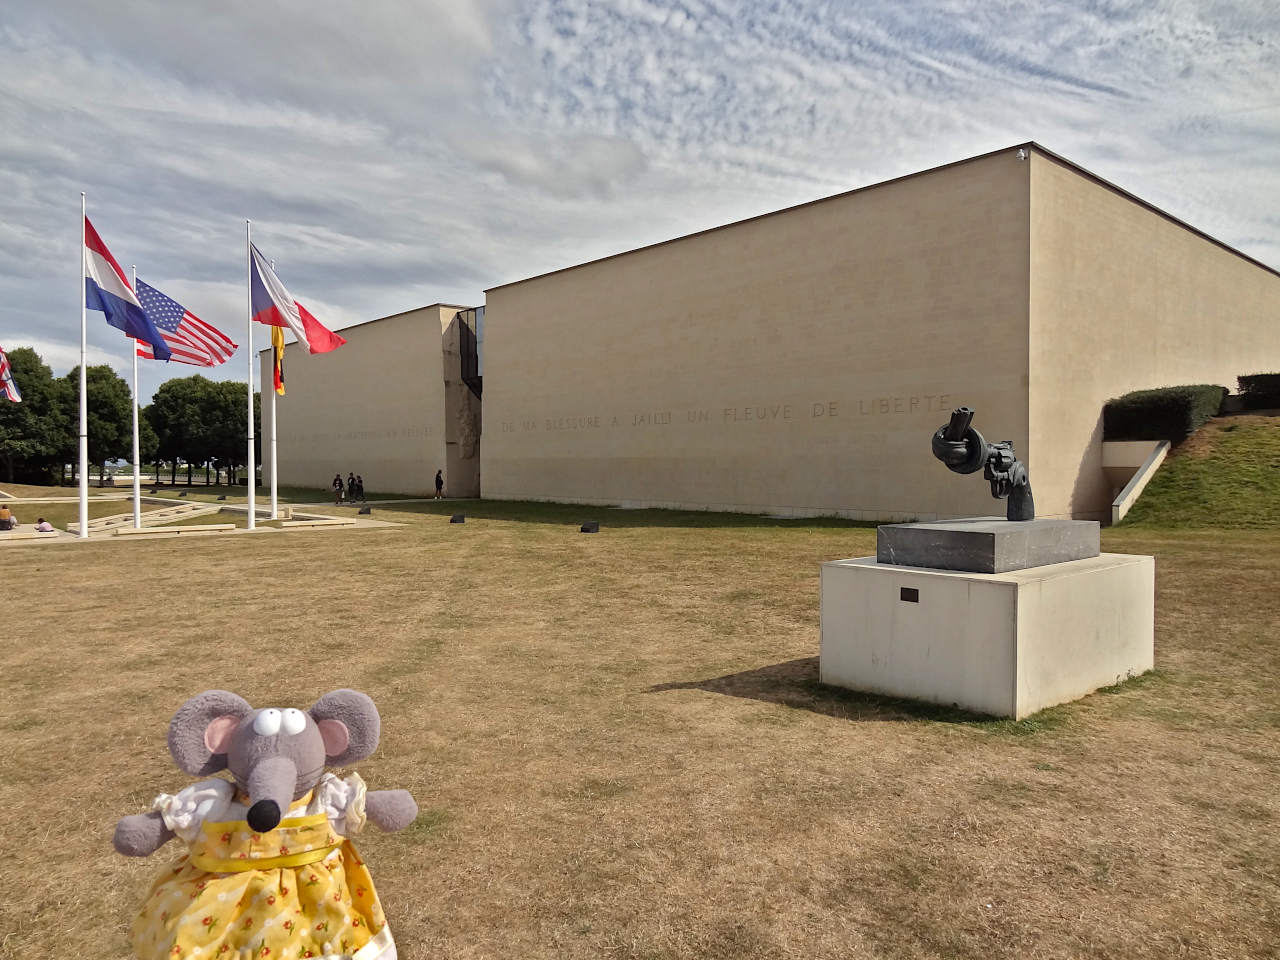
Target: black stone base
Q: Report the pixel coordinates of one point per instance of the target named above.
(986, 544)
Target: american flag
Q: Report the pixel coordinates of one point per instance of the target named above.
(190, 338)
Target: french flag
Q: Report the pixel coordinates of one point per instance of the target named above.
(106, 289)
(275, 306)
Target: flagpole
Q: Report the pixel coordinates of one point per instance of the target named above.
(248, 249)
(274, 487)
(274, 515)
(137, 468)
(84, 385)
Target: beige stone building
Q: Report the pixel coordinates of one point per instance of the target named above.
(391, 405)
(798, 362)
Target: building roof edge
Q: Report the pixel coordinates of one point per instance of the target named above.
(1103, 182)
(390, 316)
(1029, 144)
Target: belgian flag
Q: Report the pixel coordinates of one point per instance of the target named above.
(277, 349)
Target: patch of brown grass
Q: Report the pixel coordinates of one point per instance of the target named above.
(61, 514)
(27, 490)
(620, 748)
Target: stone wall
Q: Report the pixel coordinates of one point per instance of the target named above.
(1125, 298)
(375, 406)
(796, 363)
(461, 422)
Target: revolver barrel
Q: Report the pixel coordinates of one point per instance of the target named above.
(961, 417)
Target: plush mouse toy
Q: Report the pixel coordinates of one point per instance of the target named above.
(269, 871)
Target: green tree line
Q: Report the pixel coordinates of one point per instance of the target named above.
(192, 421)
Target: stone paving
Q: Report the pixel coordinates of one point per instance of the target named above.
(300, 512)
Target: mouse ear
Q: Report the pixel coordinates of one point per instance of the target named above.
(349, 724)
(200, 732)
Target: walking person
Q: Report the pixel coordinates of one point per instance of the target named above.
(351, 487)
(360, 487)
(337, 489)
(439, 484)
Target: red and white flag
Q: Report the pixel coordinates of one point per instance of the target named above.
(8, 387)
(274, 306)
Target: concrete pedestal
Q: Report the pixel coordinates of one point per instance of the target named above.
(986, 544)
(1004, 644)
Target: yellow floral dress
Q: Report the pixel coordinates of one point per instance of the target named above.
(300, 890)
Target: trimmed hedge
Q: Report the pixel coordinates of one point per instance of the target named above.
(1168, 413)
(1260, 391)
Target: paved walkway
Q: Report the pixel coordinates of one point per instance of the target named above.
(357, 522)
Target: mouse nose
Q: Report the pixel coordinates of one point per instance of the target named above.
(271, 785)
(264, 816)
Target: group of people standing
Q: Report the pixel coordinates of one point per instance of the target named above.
(354, 488)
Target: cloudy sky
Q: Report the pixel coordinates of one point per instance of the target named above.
(396, 154)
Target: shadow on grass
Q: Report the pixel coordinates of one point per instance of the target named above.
(528, 511)
(795, 684)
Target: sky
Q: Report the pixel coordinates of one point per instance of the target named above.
(392, 155)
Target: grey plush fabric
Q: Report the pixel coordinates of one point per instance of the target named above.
(273, 764)
(390, 809)
(358, 714)
(189, 725)
(141, 835)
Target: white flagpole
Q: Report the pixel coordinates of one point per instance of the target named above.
(84, 385)
(248, 249)
(274, 514)
(137, 467)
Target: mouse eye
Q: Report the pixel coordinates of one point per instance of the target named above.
(293, 722)
(267, 723)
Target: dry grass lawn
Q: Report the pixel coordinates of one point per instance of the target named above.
(620, 749)
(26, 490)
(61, 514)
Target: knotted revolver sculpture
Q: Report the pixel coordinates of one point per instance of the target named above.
(963, 450)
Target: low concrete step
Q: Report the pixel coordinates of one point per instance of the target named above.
(165, 531)
(151, 518)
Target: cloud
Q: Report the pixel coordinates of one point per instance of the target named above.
(64, 356)
(565, 167)
(396, 155)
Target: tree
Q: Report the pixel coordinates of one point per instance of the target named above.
(179, 414)
(110, 414)
(35, 434)
(148, 442)
(230, 438)
(198, 420)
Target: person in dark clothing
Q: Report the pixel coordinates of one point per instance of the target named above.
(360, 487)
(351, 487)
(337, 488)
(439, 484)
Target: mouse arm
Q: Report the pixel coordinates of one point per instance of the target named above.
(390, 809)
(141, 835)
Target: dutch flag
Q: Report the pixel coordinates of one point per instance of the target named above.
(106, 289)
